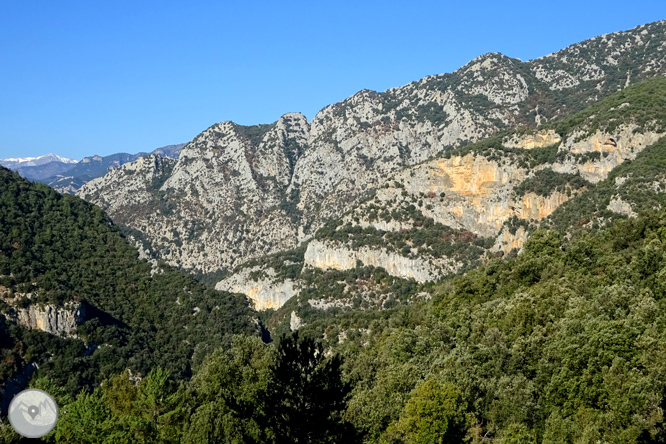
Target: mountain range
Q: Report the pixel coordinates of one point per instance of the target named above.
(237, 193)
(477, 256)
(68, 175)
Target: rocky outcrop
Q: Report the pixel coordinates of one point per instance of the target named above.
(469, 192)
(265, 292)
(329, 255)
(612, 148)
(221, 200)
(129, 186)
(507, 241)
(52, 319)
(539, 139)
(617, 205)
(295, 322)
(534, 207)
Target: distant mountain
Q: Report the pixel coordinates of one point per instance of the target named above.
(38, 168)
(172, 151)
(91, 167)
(34, 161)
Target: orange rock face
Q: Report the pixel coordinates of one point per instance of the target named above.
(471, 175)
(536, 207)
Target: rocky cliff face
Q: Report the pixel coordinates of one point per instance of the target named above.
(539, 139)
(467, 192)
(261, 286)
(242, 192)
(52, 319)
(328, 255)
(129, 187)
(223, 200)
(611, 149)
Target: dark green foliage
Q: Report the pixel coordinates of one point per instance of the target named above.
(432, 112)
(159, 179)
(286, 264)
(563, 343)
(425, 237)
(63, 249)
(643, 104)
(226, 393)
(306, 396)
(435, 413)
(545, 182)
(254, 133)
(248, 393)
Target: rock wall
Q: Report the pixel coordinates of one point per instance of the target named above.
(534, 207)
(329, 255)
(52, 319)
(506, 241)
(539, 139)
(267, 292)
(617, 205)
(613, 148)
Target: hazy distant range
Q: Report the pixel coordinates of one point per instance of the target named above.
(67, 175)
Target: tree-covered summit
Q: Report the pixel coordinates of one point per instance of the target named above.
(58, 249)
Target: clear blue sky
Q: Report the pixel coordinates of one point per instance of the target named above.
(96, 77)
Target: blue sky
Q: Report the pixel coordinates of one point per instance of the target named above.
(97, 77)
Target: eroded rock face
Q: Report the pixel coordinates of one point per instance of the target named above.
(539, 139)
(507, 241)
(617, 205)
(330, 255)
(534, 207)
(265, 292)
(128, 187)
(221, 200)
(612, 148)
(477, 193)
(52, 319)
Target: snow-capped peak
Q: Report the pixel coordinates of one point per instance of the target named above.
(34, 161)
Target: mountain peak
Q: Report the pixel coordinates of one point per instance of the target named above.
(34, 161)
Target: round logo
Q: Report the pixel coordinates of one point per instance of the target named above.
(33, 413)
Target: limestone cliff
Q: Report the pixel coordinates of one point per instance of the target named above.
(539, 139)
(467, 192)
(265, 291)
(617, 205)
(128, 187)
(507, 241)
(220, 202)
(52, 319)
(610, 149)
(328, 255)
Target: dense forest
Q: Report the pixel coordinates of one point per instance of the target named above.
(563, 343)
(58, 249)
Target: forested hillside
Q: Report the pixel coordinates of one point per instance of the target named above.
(564, 343)
(62, 258)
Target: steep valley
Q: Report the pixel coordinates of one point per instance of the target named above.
(478, 256)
